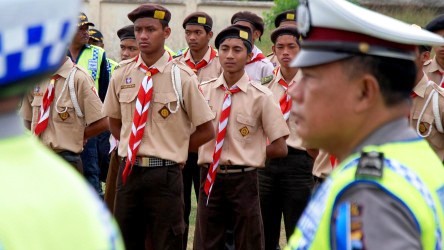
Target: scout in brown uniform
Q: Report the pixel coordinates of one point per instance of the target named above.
(259, 67)
(128, 44)
(252, 116)
(128, 50)
(286, 18)
(204, 61)
(434, 68)
(424, 118)
(70, 122)
(285, 183)
(147, 95)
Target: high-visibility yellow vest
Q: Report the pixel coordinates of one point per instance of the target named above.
(412, 173)
(111, 66)
(90, 60)
(46, 204)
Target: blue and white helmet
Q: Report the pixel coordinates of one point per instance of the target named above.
(34, 36)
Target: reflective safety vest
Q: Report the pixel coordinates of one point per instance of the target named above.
(46, 204)
(111, 66)
(411, 172)
(90, 60)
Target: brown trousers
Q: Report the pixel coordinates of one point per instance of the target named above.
(234, 200)
(149, 208)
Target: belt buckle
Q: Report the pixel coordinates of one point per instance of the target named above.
(144, 161)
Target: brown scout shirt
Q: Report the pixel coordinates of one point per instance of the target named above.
(166, 137)
(210, 71)
(65, 130)
(293, 140)
(322, 166)
(423, 90)
(433, 71)
(254, 116)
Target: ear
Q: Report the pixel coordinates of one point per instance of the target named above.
(166, 32)
(210, 34)
(425, 56)
(256, 34)
(273, 48)
(367, 92)
(249, 56)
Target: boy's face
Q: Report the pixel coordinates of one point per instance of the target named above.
(233, 55)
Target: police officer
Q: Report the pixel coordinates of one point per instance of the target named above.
(246, 114)
(93, 59)
(353, 101)
(204, 61)
(259, 68)
(435, 67)
(64, 115)
(96, 39)
(286, 18)
(285, 183)
(45, 204)
(128, 45)
(160, 100)
(426, 115)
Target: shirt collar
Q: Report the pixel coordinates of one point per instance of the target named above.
(242, 84)
(65, 69)
(421, 87)
(206, 57)
(12, 125)
(434, 66)
(295, 78)
(159, 64)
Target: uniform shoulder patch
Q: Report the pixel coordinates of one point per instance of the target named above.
(267, 79)
(208, 81)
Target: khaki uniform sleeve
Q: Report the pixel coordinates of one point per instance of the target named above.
(111, 105)
(26, 108)
(195, 104)
(273, 121)
(88, 99)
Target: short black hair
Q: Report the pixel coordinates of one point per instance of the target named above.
(396, 77)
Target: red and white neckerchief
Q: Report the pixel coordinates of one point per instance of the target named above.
(48, 98)
(257, 56)
(285, 101)
(442, 78)
(221, 131)
(140, 118)
(333, 161)
(202, 63)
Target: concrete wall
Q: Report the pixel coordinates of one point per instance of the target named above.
(111, 15)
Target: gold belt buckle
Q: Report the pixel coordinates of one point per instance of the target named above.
(144, 161)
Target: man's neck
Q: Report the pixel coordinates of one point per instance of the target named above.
(440, 62)
(288, 73)
(198, 55)
(150, 59)
(419, 76)
(75, 49)
(233, 77)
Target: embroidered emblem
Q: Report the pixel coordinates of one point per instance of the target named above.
(266, 80)
(422, 128)
(303, 18)
(356, 229)
(244, 131)
(64, 115)
(92, 64)
(164, 112)
(159, 14)
(128, 80)
(37, 89)
(201, 20)
(128, 86)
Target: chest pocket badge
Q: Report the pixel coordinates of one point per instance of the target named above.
(164, 112)
(244, 131)
(64, 115)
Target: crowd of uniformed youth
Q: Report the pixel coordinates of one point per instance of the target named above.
(236, 145)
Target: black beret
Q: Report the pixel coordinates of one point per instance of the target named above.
(83, 20)
(250, 17)
(436, 24)
(198, 18)
(96, 35)
(286, 30)
(150, 10)
(126, 32)
(235, 31)
(289, 15)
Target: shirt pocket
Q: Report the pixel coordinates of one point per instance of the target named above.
(127, 105)
(163, 103)
(427, 122)
(64, 111)
(245, 128)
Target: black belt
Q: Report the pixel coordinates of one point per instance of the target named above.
(142, 161)
(232, 169)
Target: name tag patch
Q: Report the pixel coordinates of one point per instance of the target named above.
(92, 64)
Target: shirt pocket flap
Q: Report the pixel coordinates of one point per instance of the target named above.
(127, 96)
(427, 118)
(164, 98)
(246, 120)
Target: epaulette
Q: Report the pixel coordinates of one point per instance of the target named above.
(127, 61)
(261, 88)
(208, 81)
(267, 79)
(271, 54)
(428, 62)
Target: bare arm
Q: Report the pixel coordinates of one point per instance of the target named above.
(277, 149)
(95, 128)
(204, 133)
(115, 125)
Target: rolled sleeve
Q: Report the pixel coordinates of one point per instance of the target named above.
(273, 121)
(195, 104)
(111, 105)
